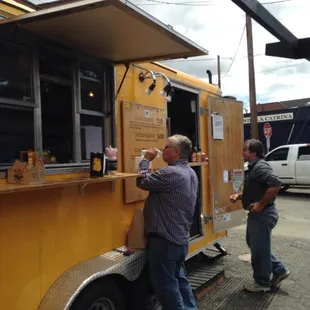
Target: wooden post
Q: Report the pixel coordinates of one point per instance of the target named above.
(219, 71)
(254, 127)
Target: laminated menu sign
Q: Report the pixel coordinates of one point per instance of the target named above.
(237, 181)
(143, 127)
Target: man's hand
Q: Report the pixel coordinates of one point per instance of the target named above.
(233, 198)
(150, 154)
(256, 207)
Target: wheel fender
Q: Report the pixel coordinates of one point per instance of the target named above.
(66, 288)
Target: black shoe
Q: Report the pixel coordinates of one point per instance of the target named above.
(278, 278)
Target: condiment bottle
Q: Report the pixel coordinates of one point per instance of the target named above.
(199, 155)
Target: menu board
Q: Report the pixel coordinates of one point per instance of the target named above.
(143, 127)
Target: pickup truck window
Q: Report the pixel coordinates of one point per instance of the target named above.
(280, 154)
(304, 153)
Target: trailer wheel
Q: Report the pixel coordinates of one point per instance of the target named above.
(100, 295)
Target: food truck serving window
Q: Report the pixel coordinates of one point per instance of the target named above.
(65, 121)
(16, 102)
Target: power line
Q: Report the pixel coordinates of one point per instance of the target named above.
(270, 70)
(279, 68)
(233, 60)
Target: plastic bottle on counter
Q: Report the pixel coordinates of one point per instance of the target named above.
(199, 155)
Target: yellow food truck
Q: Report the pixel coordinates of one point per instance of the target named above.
(75, 79)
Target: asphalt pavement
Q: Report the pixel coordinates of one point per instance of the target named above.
(290, 243)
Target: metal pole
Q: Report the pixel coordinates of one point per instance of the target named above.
(254, 127)
(219, 71)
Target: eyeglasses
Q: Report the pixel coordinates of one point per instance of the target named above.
(170, 147)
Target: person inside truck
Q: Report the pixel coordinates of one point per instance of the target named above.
(261, 187)
(168, 213)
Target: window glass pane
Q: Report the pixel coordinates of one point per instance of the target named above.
(304, 152)
(92, 90)
(277, 155)
(16, 132)
(91, 135)
(57, 123)
(15, 73)
(55, 65)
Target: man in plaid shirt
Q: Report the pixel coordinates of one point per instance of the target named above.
(168, 213)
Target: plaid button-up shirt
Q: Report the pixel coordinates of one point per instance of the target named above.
(170, 206)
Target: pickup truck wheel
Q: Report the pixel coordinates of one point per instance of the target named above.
(100, 295)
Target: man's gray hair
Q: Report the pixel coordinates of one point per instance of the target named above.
(183, 144)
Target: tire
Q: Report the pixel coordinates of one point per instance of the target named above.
(140, 294)
(102, 294)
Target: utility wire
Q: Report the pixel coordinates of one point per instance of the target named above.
(270, 70)
(233, 60)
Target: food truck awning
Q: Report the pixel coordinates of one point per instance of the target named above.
(113, 30)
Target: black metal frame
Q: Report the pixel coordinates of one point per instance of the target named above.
(289, 46)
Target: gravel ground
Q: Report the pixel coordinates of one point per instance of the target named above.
(291, 244)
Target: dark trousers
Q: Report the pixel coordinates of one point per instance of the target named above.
(258, 237)
(167, 275)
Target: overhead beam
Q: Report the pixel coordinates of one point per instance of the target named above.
(261, 15)
(281, 49)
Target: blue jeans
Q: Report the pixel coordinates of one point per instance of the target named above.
(258, 237)
(167, 275)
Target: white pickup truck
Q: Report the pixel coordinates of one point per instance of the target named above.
(291, 163)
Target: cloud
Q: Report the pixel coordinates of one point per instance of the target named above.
(218, 25)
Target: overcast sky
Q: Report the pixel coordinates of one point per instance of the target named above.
(218, 25)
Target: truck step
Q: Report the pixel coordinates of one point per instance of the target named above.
(204, 277)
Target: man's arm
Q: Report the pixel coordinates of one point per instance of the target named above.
(158, 181)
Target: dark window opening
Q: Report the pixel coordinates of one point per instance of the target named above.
(304, 152)
(57, 122)
(183, 116)
(92, 90)
(92, 137)
(278, 155)
(16, 132)
(15, 75)
(55, 65)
